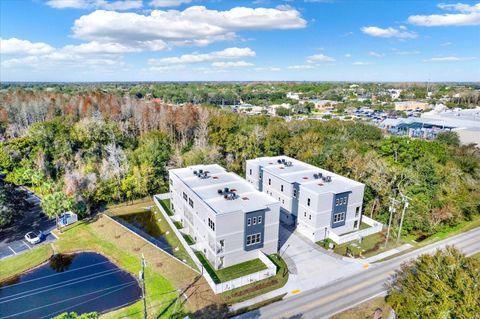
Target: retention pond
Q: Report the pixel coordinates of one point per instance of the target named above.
(84, 282)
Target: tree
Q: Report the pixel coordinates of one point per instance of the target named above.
(443, 285)
(56, 203)
(449, 138)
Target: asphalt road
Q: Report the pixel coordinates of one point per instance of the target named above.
(345, 293)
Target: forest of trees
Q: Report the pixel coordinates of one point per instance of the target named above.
(84, 150)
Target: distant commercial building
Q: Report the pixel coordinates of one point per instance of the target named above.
(411, 105)
(228, 218)
(317, 201)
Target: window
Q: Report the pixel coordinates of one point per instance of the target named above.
(185, 196)
(259, 219)
(269, 181)
(211, 224)
(336, 202)
(340, 217)
(310, 217)
(295, 193)
(355, 224)
(283, 201)
(308, 201)
(250, 171)
(190, 202)
(304, 214)
(357, 211)
(253, 239)
(254, 220)
(281, 188)
(344, 201)
(249, 221)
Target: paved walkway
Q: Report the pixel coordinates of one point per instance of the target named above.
(388, 253)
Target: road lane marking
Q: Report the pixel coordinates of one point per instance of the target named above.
(296, 291)
(365, 266)
(26, 245)
(12, 250)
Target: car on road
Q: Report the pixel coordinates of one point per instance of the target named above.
(34, 237)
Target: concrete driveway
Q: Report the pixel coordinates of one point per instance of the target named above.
(12, 240)
(310, 265)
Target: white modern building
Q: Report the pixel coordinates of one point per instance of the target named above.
(230, 221)
(321, 204)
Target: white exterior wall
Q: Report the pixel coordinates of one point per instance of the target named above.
(285, 197)
(229, 227)
(253, 178)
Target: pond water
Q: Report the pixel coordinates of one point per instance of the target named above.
(83, 282)
(147, 222)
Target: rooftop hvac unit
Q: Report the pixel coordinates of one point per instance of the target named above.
(194, 172)
(220, 191)
(315, 176)
(288, 163)
(200, 171)
(328, 179)
(283, 160)
(320, 175)
(226, 189)
(225, 196)
(279, 161)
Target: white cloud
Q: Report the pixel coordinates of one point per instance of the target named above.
(388, 33)
(376, 54)
(168, 3)
(348, 55)
(319, 58)
(446, 44)
(301, 67)
(468, 15)
(99, 48)
(95, 4)
(232, 64)
(228, 53)
(361, 63)
(24, 47)
(195, 25)
(271, 69)
(413, 52)
(449, 59)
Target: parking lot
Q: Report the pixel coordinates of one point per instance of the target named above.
(12, 241)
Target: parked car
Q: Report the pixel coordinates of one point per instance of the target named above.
(34, 237)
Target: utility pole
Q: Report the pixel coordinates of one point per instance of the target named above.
(391, 210)
(141, 276)
(405, 205)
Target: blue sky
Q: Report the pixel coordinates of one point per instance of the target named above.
(191, 40)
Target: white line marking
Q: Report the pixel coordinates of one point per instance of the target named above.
(26, 245)
(53, 234)
(12, 250)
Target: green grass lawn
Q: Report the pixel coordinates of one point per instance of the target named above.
(260, 287)
(15, 265)
(166, 205)
(239, 270)
(232, 272)
(189, 239)
(154, 224)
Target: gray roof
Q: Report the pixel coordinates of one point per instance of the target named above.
(303, 174)
(248, 198)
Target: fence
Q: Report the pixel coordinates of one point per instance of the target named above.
(223, 286)
(376, 227)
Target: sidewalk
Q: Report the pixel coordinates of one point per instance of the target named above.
(388, 253)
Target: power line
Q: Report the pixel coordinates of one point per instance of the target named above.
(52, 275)
(65, 300)
(61, 285)
(84, 302)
